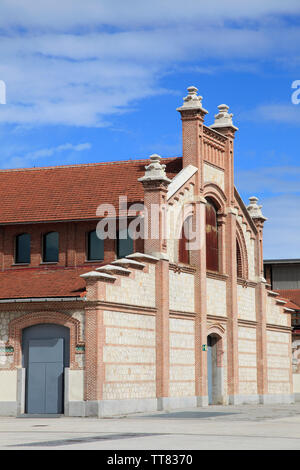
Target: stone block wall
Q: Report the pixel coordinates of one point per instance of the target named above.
(279, 362)
(216, 297)
(246, 303)
(181, 291)
(138, 289)
(129, 356)
(247, 360)
(214, 175)
(182, 357)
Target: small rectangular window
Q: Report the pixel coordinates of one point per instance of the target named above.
(124, 244)
(95, 249)
(22, 254)
(50, 247)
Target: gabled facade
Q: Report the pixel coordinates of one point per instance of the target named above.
(179, 317)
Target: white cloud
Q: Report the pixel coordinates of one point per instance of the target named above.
(74, 63)
(282, 113)
(281, 232)
(29, 158)
(64, 14)
(278, 190)
(276, 180)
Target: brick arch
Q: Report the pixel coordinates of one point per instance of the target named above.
(17, 325)
(213, 192)
(219, 331)
(243, 250)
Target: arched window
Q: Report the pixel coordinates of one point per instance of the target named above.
(239, 265)
(95, 248)
(22, 249)
(183, 252)
(124, 243)
(212, 252)
(50, 247)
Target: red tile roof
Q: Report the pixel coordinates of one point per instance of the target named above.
(43, 282)
(293, 295)
(71, 192)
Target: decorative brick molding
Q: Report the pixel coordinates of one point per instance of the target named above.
(17, 325)
(243, 251)
(215, 193)
(219, 332)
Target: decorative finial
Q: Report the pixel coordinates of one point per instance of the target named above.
(255, 210)
(192, 100)
(223, 118)
(155, 170)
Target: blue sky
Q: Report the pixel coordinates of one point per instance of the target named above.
(100, 80)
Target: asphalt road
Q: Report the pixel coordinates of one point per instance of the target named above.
(216, 427)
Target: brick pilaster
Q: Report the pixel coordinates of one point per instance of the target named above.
(198, 259)
(232, 307)
(162, 331)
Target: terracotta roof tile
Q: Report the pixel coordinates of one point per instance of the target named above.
(71, 192)
(41, 282)
(293, 295)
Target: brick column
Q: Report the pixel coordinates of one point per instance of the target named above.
(155, 183)
(94, 368)
(223, 124)
(261, 302)
(198, 259)
(94, 342)
(192, 116)
(162, 334)
(232, 309)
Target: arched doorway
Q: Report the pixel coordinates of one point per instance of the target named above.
(214, 369)
(45, 354)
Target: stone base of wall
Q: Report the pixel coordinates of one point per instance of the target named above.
(243, 399)
(297, 397)
(106, 408)
(172, 403)
(8, 408)
(280, 398)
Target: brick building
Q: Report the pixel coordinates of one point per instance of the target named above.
(93, 327)
(283, 275)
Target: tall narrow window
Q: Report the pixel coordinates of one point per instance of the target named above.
(212, 252)
(124, 244)
(183, 252)
(50, 247)
(239, 266)
(95, 249)
(22, 251)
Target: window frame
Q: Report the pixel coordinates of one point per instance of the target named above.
(44, 237)
(17, 237)
(87, 251)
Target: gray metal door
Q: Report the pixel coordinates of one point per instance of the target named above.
(209, 370)
(46, 353)
(45, 376)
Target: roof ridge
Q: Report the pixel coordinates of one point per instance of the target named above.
(77, 165)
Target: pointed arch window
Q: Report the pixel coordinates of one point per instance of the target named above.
(22, 248)
(239, 265)
(183, 251)
(51, 247)
(212, 242)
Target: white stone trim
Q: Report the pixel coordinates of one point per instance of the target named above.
(180, 179)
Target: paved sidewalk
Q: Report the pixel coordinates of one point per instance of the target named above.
(216, 427)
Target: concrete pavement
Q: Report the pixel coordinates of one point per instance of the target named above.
(215, 427)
